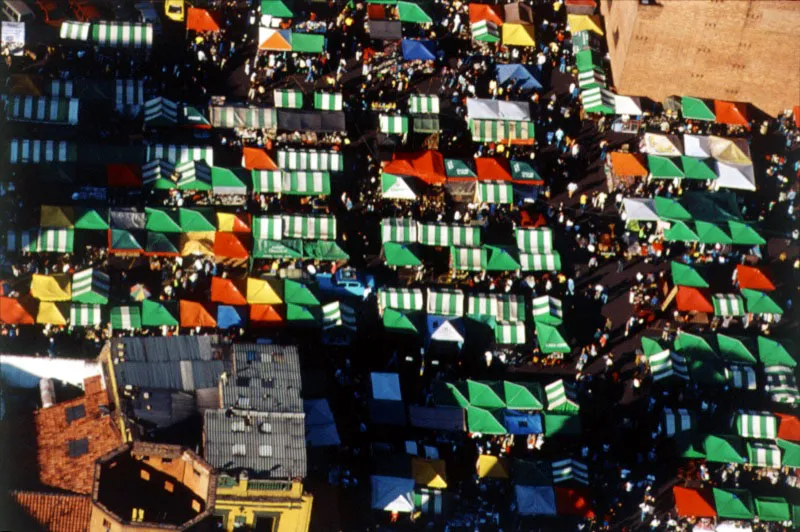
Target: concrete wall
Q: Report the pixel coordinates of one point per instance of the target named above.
(25, 371)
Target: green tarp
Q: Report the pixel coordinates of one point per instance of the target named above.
(774, 509)
(709, 233)
(162, 243)
(162, 220)
(685, 275)
(670, 209)
(277, 249)
(696, 109)
(92, 219)
(122, 240)
(323, 250)
(126, 318)
(694, 168)
(156, 314)
(411, 12)
(774, 353)
(791, 453)
(743, 234)
(485, 421)
(308, 43)
(458, 168)
(661, 167)
(760, 302)
(735, 350)
(396, 321)
(561, 424)
(550, 339)
(298, 293)
(519, 396)
(680, 232)
(724, 449)
(277, 8)
(397, 254)
(501, 258)
(482, 394)
(196, 220)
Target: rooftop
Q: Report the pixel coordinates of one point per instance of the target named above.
(55, 512)
(266, 378)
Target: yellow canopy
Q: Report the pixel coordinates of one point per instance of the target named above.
(518, 34)
(56, 287)
(228, 222)
(197, 243)
(492, 467)
(262, 292)
(429, 473)
(57, 217)
(578, 23)
(731, 151)
(52, 313)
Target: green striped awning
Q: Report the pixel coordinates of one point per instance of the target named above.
(599, 100)
(423, 104)
(535, 240)
(468, 259)
(569, 469)
(26, 241)
(540, 262)
(558, 398)
(392, 124)
(501, 130)
(307, 183)
(548, 310)
(728, 305)
(24, 151)
(75, 31)
(495, 192)
(126, 318)
(81, 315)
(742, 377)
(310, 227)
(328, 101)
(229, 116)
(593, 78)
(666, 363)
(482, 305)
(510, 333)
(337, 314)
(160, 174)
(55, 241)
(288, 98)
(762, 454)
(316, 160)
(445, 302)
(761, 425)
(781, 385)
(268, 227)
(194, 175)
(510, 307)
(122, 34)
(160, 112)
(432, 234)
(402, 230)
(465, 235)
(176, 153)
(267, 181)
(426, 124)
(90, 286)
(407, 299)
(43, 109)
(485, 31)
(675, 421)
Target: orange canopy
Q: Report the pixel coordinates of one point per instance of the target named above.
(573, 502)
(427, 165)
(231, 246)
(264, 315)
(257, 159)
(194, 314)
(693, 502)
(200, 20)
(788, 427)
(689, 299)
(227, 291)
(796, 111)
(479, 12)
(228, 222)
(753, 278)
(493, 168)
(124, 175)
(627, 164)
(731, 113)
(17, 311)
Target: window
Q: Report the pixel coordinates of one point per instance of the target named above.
(196, 506)
(266, 428)
(169, 486)
(264, 524)
(144, 474)
(269, 382)
(238, 449)
(243, 402)
(265, 450)
(106, 524)
(616, 37)
(238, 426)
(137, 515)
(252, 356)
(75, 412)
(243, 381)
(78, 448)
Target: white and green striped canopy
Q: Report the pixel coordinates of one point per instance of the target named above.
(482, 305)
(423, 104)
(599, 100)
(465, 235)
(401, 298)
(328, 101)
(510, 332)
(397, 187)
(494, 192)
(265, 181)
(307, 183)
(82, 315)
(21, 151)
(485, 31)
(763, 454)
(392, 124)
(161, 110)
(557, 398)
(268, 227)
(742, 377)
(756, 425)
(55, 241)
(540, 262)
(433, 234)
(310, 227)
(666, 364)
(467, 259)
(126, 318)
(510, 307)
(90, 286)
(26, 241)
(194, 175)
(128, 94)
(675, 421)
(158, 170)
(316, 160)
(591, 78)
(548, 310)
(535, 240)
(288, 98)
(501, 130)
(60, 88)
(230, 116)
(728, 305)
(176, 153)
(570, 469)
(123, 34)
(43, 109)
(781, 385)
(445, 302)
(75, 31)
(338, 314)
(402, 230)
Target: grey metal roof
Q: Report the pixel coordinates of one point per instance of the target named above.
(163, 408)
(162, 349)
(266, 378)
(183, 375)
(268, 445)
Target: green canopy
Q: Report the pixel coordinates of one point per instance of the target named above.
(523, 170)
(90, 286)
(724, 449)
(774, 509)
(482, 394)
(743, 234)
(760, 302)
(458, 168)
(229, 180)
(670, 209)
(734, 350)
(550, 339)
(694, 344)
(276, 8)
(323, 250)
(92, 219)
(680, 232)
(448, 394)
(651, 346)
(521, 396)
(791, 453)
(689, 446)
(709, 233)
(664, 167)
(696, 109)
(484, 421)
(501, 259)
(196, 220)
(301, 314)
(733, 504)
(588, 60)
(561, 424)
(122, 240)
(400, 254)
(411, 12)
(707, 371)
(277, 249)
(297, 293)
(126, 318)
(161, 243)
(156, 314)
(773, 353)
(396, 321)
(162, 220)
(696, 168)
(309, 43)
(685, 275)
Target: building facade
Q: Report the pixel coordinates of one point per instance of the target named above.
(737, 50)
(262, 505)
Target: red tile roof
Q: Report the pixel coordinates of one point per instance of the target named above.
(54, 434)
(54, 512)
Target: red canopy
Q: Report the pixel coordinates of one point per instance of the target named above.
(479, 12)
(194, 314)
(427, 165)
(693, 502)
(124, 175)
(17, 311)
(753, 278)
(264, 315)
(731, 113)
(376, 12)
(788, 427)
(690, 298)
(231, 245)
(796, 111)
(493, 168)
(257, 159)
(573, 502)
(227, 291)
(200, 20)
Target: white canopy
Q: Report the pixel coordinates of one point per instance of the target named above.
(657, 144)
(627, 105)
(447, 332)
(386, 386)
(731, 151)
(392, 494)
(483, 109)
(642, 209)
(737, 176)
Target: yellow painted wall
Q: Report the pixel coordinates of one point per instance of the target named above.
(293, 505)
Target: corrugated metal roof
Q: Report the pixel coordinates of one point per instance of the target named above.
(162, 349)
(266, 378)
(183, 376)
(268, 445)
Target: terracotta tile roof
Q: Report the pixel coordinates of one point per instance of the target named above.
(68, 448)
(54, 512)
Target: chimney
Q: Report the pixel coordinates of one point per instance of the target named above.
(47, 391)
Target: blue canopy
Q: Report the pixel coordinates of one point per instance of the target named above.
(422, 50)
(228, 316)
(522, 422)
(518, 75)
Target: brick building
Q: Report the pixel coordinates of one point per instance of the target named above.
(739, 50)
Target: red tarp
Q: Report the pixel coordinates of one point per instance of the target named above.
(17, 311)
(257, 159)
(478, 12)
(753, 278)
(493, 168)
(572, 502)
(231, 245)
(689, 299)
(797, 115)
(731, 113)
(693, 502)
(227, 291)
(200, 20)
(194, 314)
(264, 315)
(124, 175)
(427, 165)
(788, 427)
(376, 12)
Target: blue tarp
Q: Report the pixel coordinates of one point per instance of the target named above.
(522, 422)
(422, 50)
(228, 316)
(517, 75)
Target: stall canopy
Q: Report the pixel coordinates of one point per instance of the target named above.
(426, 165)
(485, 31)
(385, 30)
(126, 317)
(90, 286)
(52, 313)
(591, 23)
(277, 8)
(320, 121)
(264, 316)
(230, 116)
(599, 100)
(774, 353)
(288, 98)
(639, 209)
(697, 109)
(413, 13)
(414, 50)
(76, 31)
(157, 314)
(309, 43)
(227, 291)
(731, 113)
(486, 109)
(404, 299)
(691, 299)
(56, 287)
(43, 109)
(685, 275)
(328, 101)
(724, 449)
(195, 314)
(535, 500)
(257, 159)
(397, 187)
(200, 20)
(518, 76)
(122, 34)
(693, 502)
(733, 504)
(760, 302)
(736, 176)
(423, 104)
(392, 494)
(274, 40)
(15, 311)
(487, 12)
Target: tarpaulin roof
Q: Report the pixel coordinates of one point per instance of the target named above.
(320, 121)
(774, 353)
(427, 165)
(59, 217)
(760, 302)
(56, 287)
(228, 291)
(697, 109)
(264, 315)
(392, 494)
(89, 218)
(385, 30)
(232, 222)
(642, 209)
(271, 39)
(413, 13)
(724, 449)
(733, 504)
(489, 466)
(396, 321)
(535, 500)
(229, 316)
(429, 473)
(232, 245)
(51, 313)
(685, 275)
(309, 43)
(263, 291)
(15, 311)
(156, 314)
(591, 23)
(197, 243)
(487, 109)
(690, 502)
(493, 168)
(518, 12)
(731, 113)
(195, 314)
(491, 13)
(161, 244)
(418, 50)
(200, 20)
(520, 76)
(788, 427)
(627, 164)
(570, 501)
(693, 299)
(257, 159)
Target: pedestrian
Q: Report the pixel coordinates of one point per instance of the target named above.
(572, 187)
